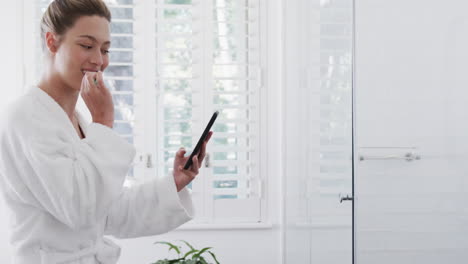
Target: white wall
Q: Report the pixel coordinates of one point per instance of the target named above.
(11, 79)
(11, 52)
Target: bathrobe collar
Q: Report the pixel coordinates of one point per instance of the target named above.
(57, 111)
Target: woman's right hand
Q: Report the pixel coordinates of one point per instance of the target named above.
(97, 98)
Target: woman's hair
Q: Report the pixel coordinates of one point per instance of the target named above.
(62, 14)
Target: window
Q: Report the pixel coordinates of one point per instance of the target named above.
(173, 63)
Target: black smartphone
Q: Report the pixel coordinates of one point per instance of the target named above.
(201, 140)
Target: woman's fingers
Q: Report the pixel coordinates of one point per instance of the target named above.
(203, 148)
(195, 166)
(84, 84)
(179, 158)
(209, 136)
(98, 98)
(181, 152)
(90, 77)
(95, 79)
(202, 153)
(100, 80)
(190, 174)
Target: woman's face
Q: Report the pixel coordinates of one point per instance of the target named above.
(84, 47)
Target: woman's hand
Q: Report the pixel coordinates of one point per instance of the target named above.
(97, 98)
(183, 177)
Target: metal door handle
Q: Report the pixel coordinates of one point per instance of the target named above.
(347, 198)
(409, 156)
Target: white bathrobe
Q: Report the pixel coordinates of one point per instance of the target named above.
(66, 193)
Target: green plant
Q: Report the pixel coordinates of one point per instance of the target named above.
(192, 256)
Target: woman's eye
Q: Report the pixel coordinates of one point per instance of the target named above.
(105, 51)
(86, 46)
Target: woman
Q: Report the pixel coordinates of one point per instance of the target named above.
(63, 179)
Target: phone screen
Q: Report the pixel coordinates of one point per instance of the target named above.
(200, 141)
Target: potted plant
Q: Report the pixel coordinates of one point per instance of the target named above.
(192, 256)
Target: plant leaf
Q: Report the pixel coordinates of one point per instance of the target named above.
(190, 253)
(188, 244)
(214, 257)
(201, 252)
(171, 246)
(175, 261)
(202, 260)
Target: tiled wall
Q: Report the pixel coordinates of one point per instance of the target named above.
(412, 98)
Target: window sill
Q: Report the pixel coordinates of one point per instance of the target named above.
(323, 225)
(239, 226)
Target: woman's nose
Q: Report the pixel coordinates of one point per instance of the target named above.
(97, 58)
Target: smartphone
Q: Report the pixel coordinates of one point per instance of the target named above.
(201, 140)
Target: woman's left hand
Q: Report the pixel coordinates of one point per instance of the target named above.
(97, 98)
(183, 177)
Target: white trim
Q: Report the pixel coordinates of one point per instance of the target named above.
(355, 160)
(281, 8)
(144, 29)
(266, 114)
(273, 171)
(206, 38)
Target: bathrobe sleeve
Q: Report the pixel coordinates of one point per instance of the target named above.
(151, 208)
(74, 180)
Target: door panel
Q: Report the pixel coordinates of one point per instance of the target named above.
(412, 131)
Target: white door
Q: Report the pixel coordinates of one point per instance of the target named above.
(411, 131)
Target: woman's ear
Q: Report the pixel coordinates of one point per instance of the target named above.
(51, 42)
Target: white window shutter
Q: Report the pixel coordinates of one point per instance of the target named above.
(120, 75)
(209, 59)
(236, 80)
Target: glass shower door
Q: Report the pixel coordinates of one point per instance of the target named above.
(318, 131)
(412, 131)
